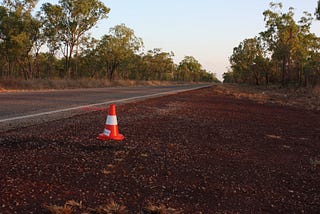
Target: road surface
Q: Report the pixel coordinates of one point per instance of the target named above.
(20, 107)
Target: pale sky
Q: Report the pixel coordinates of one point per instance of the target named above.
(205, 29)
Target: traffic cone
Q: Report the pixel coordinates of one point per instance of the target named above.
(111, 131)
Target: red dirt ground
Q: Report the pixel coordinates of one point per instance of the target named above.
(197, 152)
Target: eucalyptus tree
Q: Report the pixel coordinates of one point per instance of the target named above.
(159, 65)
(228, 77)
(306, 50)
(19, 31)
(3, 37)
(282, 37)
(317, 13)
(66, 23)
(206, 76)
(117, 47)
(248, 61)
(310, 69)
(90, 65)
(288, 51)
(316, 54)
(189, 69)
(291, 44)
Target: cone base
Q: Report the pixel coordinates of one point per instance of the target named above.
(104, 137)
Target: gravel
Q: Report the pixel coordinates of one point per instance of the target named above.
(195, 152)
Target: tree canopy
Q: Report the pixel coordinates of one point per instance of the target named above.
(65, 25)
(117, 47)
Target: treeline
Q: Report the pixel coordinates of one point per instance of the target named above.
(55, 42)
(286, 53)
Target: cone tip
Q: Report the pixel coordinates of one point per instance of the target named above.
(112, 109)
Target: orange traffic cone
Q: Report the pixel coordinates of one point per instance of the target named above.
(111, 131)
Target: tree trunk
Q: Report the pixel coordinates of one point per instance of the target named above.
(30, 69)
(67, 62)
(77, 62)
(300, 72)
(9, 67)
(306, 78)
(283, 74)
(267, 77)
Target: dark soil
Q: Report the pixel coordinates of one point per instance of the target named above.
(197, 152)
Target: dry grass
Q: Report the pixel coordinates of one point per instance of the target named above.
(68, 208)
(112, 208)
(161, 209)
(307, 98)
(43, 84)
(314, 162)
(73, 207)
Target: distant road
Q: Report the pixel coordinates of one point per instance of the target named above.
(15, 106)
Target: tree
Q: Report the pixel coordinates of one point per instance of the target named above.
(281, 35)
(306, 46)
(19, 32)
(90, 63)
(65, 25)
(317, 13)
(189, 69)
(290, 43)
(228, 77)
(311, 61)
(206, 76)
(159, 65)
(285, 52)
(249, 62)
(117, 47)
(3, 38)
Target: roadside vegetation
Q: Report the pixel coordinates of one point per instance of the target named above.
(112, 207)
(55, 43)
(7, 85)
(304, 98)
(287, 53)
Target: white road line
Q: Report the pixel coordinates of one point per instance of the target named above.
(97, 104)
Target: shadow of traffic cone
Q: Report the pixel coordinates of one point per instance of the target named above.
(111, 131)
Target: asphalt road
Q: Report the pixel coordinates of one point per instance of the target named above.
(22, 106)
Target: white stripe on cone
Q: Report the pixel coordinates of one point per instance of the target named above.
(112, 120)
